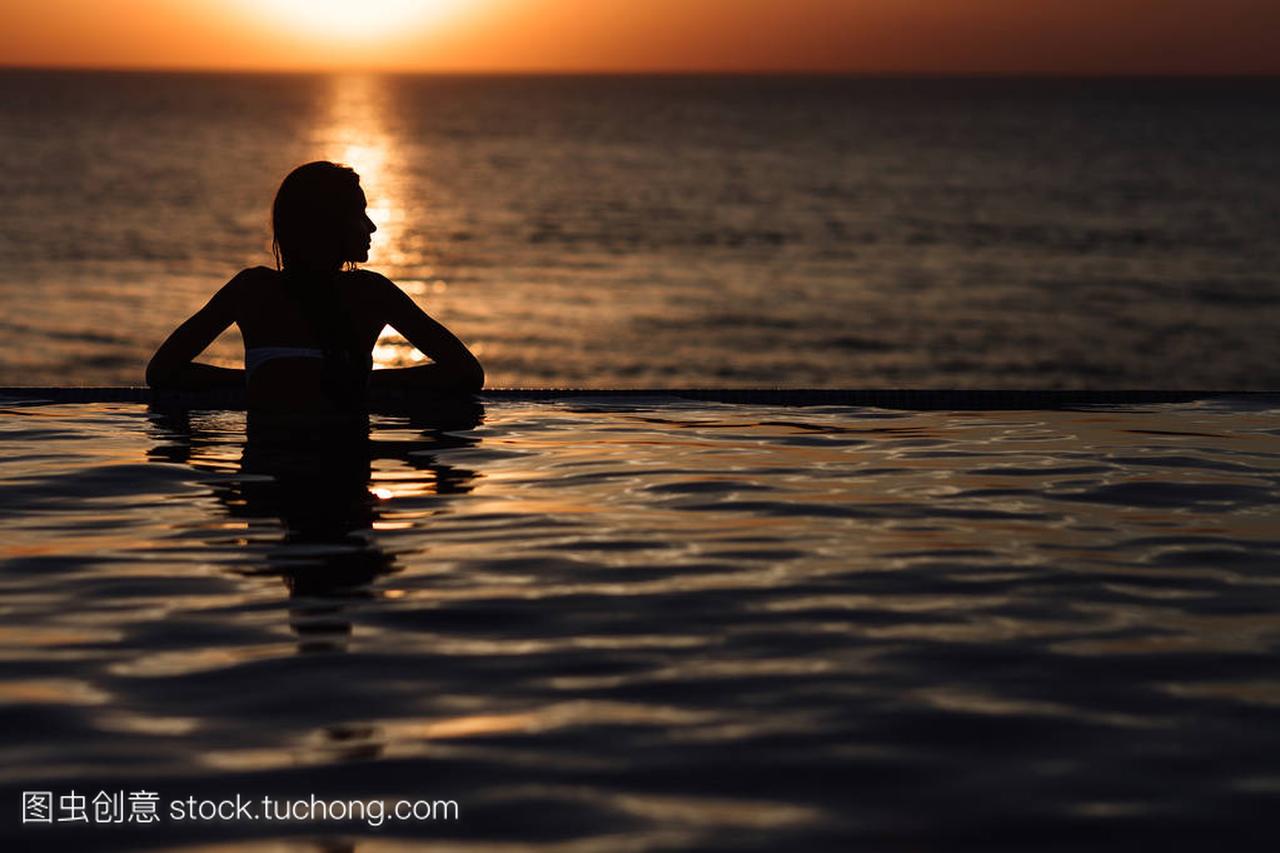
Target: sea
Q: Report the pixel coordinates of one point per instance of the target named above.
(601, 625)
(674, 231)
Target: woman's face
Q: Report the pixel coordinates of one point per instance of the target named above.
(357, 231)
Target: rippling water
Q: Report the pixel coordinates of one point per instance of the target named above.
(675, 232)
(642, 626)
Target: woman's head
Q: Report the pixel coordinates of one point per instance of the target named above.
(319, 218)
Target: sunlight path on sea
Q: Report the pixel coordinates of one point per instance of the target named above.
(355, 132)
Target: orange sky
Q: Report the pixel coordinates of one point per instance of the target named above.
(932, 36)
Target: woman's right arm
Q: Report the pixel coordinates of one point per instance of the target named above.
(454, 369)
(173, 365)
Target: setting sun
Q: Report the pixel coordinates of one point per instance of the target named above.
(366, 20)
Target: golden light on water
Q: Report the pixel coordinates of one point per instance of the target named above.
(355, 133)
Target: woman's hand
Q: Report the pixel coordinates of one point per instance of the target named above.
(195, 376)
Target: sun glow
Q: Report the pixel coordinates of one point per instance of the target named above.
(366, 20)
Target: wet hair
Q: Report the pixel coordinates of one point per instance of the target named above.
(311, 214)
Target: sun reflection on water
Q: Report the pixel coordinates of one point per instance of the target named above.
(355, 133)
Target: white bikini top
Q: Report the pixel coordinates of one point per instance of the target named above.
(258, 356)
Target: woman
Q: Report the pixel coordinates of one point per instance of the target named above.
(309, 326)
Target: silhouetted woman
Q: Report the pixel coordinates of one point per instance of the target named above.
(310, 325)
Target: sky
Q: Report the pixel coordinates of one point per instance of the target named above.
(858, 36)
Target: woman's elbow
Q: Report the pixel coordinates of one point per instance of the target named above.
(471, 378)
(162, 372)
(156, 374)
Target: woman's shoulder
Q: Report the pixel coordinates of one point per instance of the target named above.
(231, 296)
(366, 276)
(248, 278)
(255, 274)
(370, 284)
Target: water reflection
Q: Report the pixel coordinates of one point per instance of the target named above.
(702, 626)
(322, 486)
(326, 487)
(355, 132)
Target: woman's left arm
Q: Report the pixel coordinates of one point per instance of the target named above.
(173, 364)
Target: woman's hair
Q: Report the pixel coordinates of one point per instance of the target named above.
(311, 210)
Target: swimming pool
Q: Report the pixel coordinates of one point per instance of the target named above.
(649, 624)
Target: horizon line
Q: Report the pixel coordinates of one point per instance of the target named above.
(654, 72)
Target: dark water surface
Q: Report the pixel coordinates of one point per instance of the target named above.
(674, 232)
(650, 626)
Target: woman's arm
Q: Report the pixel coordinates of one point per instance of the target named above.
(454, 369)
(172, 366)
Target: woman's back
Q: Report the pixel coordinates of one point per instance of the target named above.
(286, 339)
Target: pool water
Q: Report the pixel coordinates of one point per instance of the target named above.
(649, 625)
